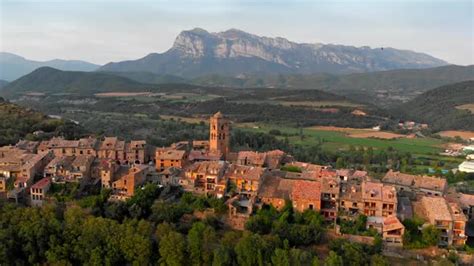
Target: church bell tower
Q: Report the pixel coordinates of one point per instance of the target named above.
(219, 134)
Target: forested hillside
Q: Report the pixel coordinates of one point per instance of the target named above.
(442, 108)
(17, 122)
(50, 80)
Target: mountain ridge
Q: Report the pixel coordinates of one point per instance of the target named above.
(13, 66)
(197, 52)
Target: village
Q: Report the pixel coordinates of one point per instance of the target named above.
(248, 180)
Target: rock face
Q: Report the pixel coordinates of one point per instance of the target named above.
(233, 52)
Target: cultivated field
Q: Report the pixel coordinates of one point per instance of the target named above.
(122, 94)
(453, 133)
(469, 107)
(318, 104)
(360, 133)
(338, 138)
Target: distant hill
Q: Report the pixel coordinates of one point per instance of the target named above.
(233, 52)
(3, 83)
(50, 80)
(446, 107)
(14, 66)
(381, 88)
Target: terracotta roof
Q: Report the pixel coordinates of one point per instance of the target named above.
(306, 190)
(330, 185)
(245, 172)
(82, 161)
(344, 172)
(466, 200)
(251, 157)
(42, 183)
(431, 183)
(391, 223)
(351, 191)
(203, 156)
(109, 143)
(416, 181)
(27, 145)
(276, 187)
(170, 155)
(274, 158)
(436, 209)
(207, 167)
(456, 212)
(88, 143)
(398, 178)
(378, 191)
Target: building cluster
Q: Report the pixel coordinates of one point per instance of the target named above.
(30, 168)
(247, 179)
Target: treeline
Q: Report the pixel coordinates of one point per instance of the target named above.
(156, 227)
(272, 113)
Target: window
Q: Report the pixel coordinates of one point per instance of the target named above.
(311, 206)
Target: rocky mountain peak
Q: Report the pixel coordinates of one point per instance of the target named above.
(234, 52)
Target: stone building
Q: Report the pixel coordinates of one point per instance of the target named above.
(170, 158)
(38, 191)
(306, 195)
(205, 178)
(378, 199)
(447, 217)
(219, 134)
(124, 187)
(416, 184)
(246, 179)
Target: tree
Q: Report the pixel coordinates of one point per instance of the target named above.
(378, 260)
(250, 250)
(222, 257)
(201, 238)
(173, 249)
(333, 259)
(340, 163)
(281, 257)
(430, 235)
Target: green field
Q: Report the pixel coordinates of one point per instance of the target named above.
(339, 141)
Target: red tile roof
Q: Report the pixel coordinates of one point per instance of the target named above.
(306, 190)
(42, 183)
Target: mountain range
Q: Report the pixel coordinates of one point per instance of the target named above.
(13, 66)
(233, 52)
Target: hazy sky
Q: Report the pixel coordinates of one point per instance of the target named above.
(101, 31)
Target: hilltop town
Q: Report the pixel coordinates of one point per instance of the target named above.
(246, 180)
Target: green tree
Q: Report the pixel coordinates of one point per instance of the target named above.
(222, 257)
(430, 235)
(173, 249)
(333, 259)
(378, 260)
(201, 239)
(281, 257)
(249, 250)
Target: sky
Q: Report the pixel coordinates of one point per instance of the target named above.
(102, 31)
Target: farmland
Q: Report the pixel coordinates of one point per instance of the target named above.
(339, 140)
